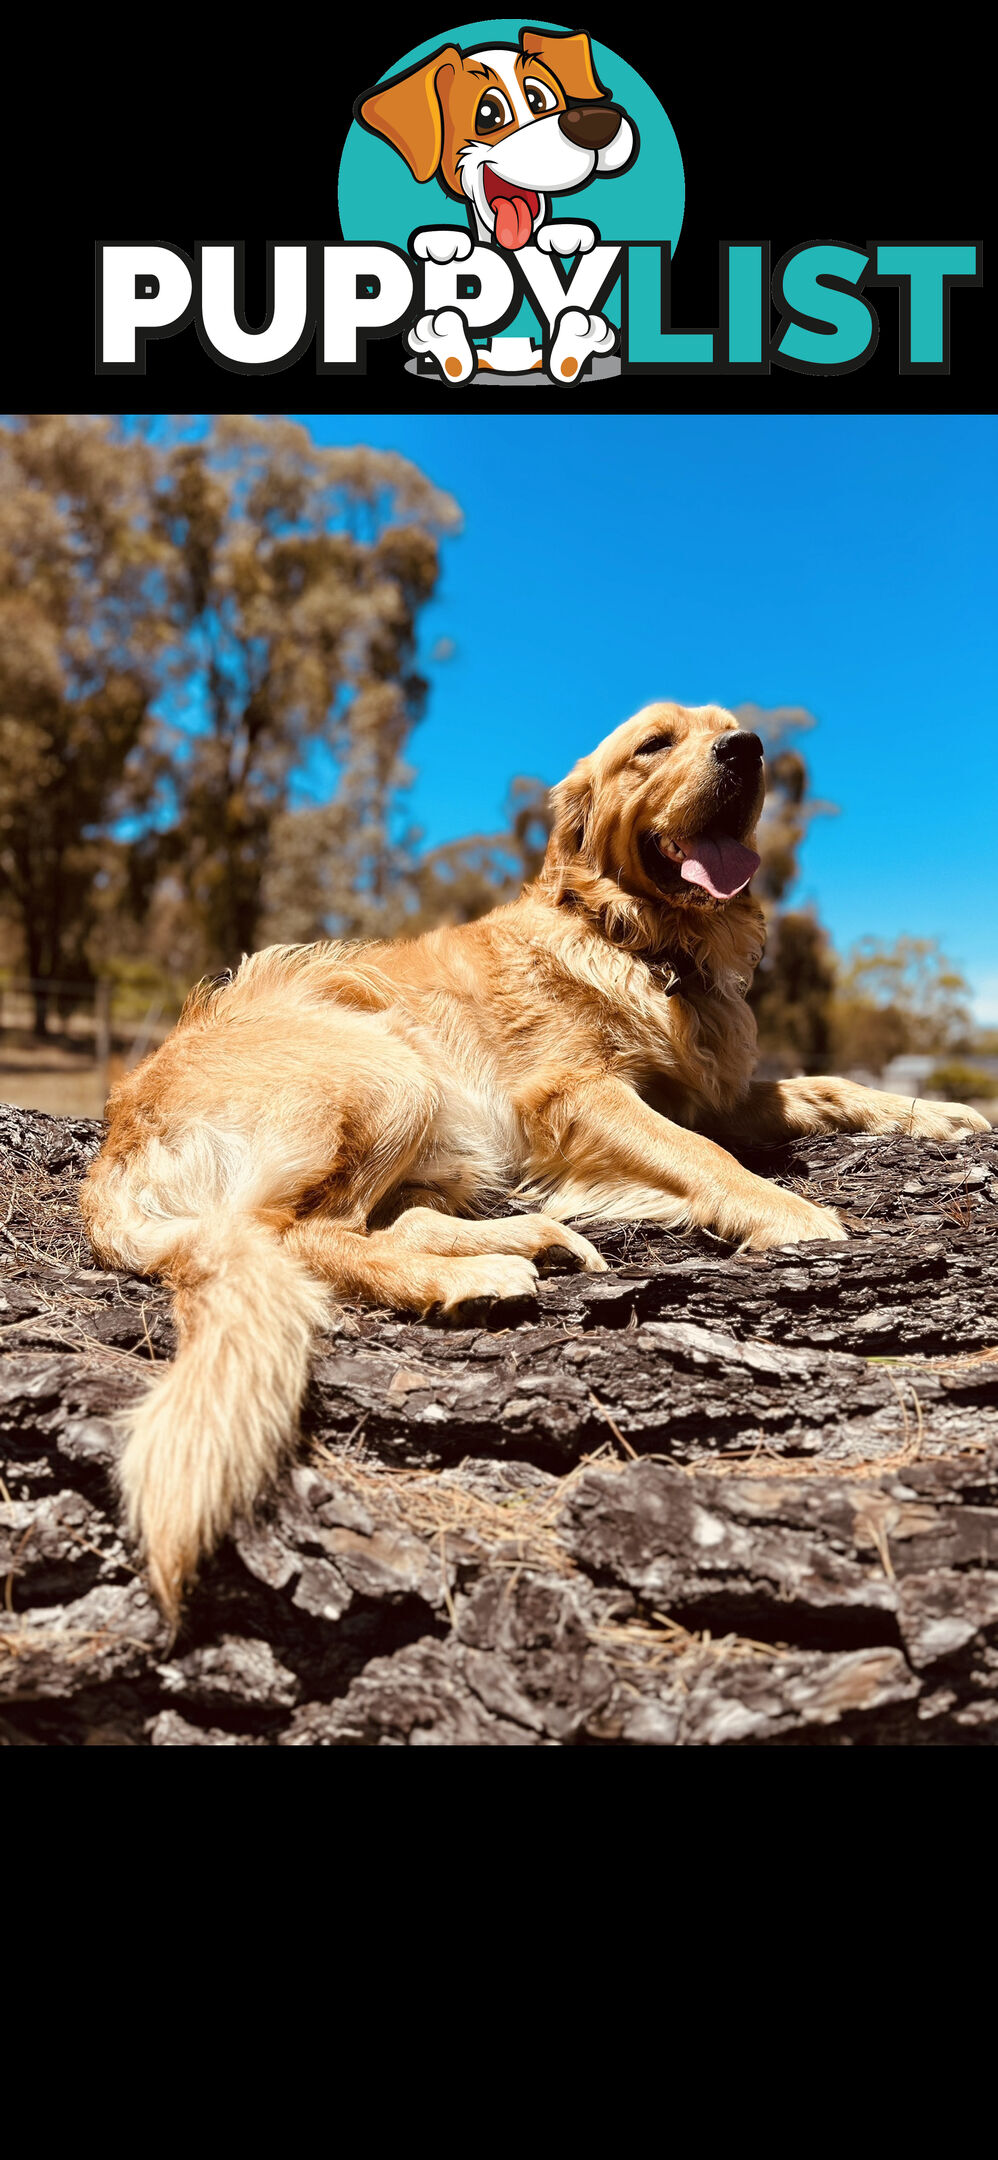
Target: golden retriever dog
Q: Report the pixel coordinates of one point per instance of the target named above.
(353, 1115)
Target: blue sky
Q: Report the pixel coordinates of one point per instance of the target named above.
(843, 564)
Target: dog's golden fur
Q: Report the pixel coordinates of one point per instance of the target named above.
(352, 1116)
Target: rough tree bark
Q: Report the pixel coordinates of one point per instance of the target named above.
(700, 1500)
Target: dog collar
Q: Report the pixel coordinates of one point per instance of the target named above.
(676, 976)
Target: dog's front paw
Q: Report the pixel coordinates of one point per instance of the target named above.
(566, 239)
(450, 244)
(443, 337)
(789, 1220)
(577, 338)
(943, 1121)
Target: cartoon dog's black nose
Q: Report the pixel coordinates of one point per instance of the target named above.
(590, 127)
(738, 749)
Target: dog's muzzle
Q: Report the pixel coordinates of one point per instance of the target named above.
(590, 127)
(737, 760)
(739, 749)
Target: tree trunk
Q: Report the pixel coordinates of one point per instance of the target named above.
(700, 1500)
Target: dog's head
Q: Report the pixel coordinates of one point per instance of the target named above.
(505, 127)
(664, 811)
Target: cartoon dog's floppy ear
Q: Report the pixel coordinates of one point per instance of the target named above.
(407, 111)
(569, 57)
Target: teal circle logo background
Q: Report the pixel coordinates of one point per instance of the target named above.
(378, 199)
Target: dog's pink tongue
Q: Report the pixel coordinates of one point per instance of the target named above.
(723, 866)
(514, 223)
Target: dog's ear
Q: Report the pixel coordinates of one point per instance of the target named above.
(407, 111)
(571, 805)
(569, 57)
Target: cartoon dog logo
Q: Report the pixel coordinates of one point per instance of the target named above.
(503, 129)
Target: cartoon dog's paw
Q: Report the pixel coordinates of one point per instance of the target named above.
(566, 239)
(450, 244)
(444, 338)
(577, 337)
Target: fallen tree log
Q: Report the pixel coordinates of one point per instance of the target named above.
(699, 1500)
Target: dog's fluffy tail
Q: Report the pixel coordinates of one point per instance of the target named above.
(212, 1430)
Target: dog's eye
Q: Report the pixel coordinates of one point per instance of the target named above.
(493, 112)
(539, 96)
(656, 742)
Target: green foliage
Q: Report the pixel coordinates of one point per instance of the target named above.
(463, 879)
(789, 807)
(297, 577)
(812, 1010)
(866, 1035)
(961, 1083)
(80, 635)
(182, 623)
(793, 992)
(140, 986)
(902, 997)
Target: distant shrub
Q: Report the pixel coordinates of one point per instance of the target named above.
(960, 1083)
(140, 985)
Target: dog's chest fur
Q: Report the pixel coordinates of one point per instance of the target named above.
(526, 1002)
(598, 1004)
(698, 1037)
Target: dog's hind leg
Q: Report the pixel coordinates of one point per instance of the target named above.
(381, 1271)
(549, 1244)
(442, 1264)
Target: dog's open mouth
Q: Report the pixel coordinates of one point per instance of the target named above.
(515, 208)
(715, 862)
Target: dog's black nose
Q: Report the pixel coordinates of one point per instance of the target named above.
(739, 749)
(590, 127)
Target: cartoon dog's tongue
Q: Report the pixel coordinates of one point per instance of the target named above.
(722, 866)
(514, 222)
